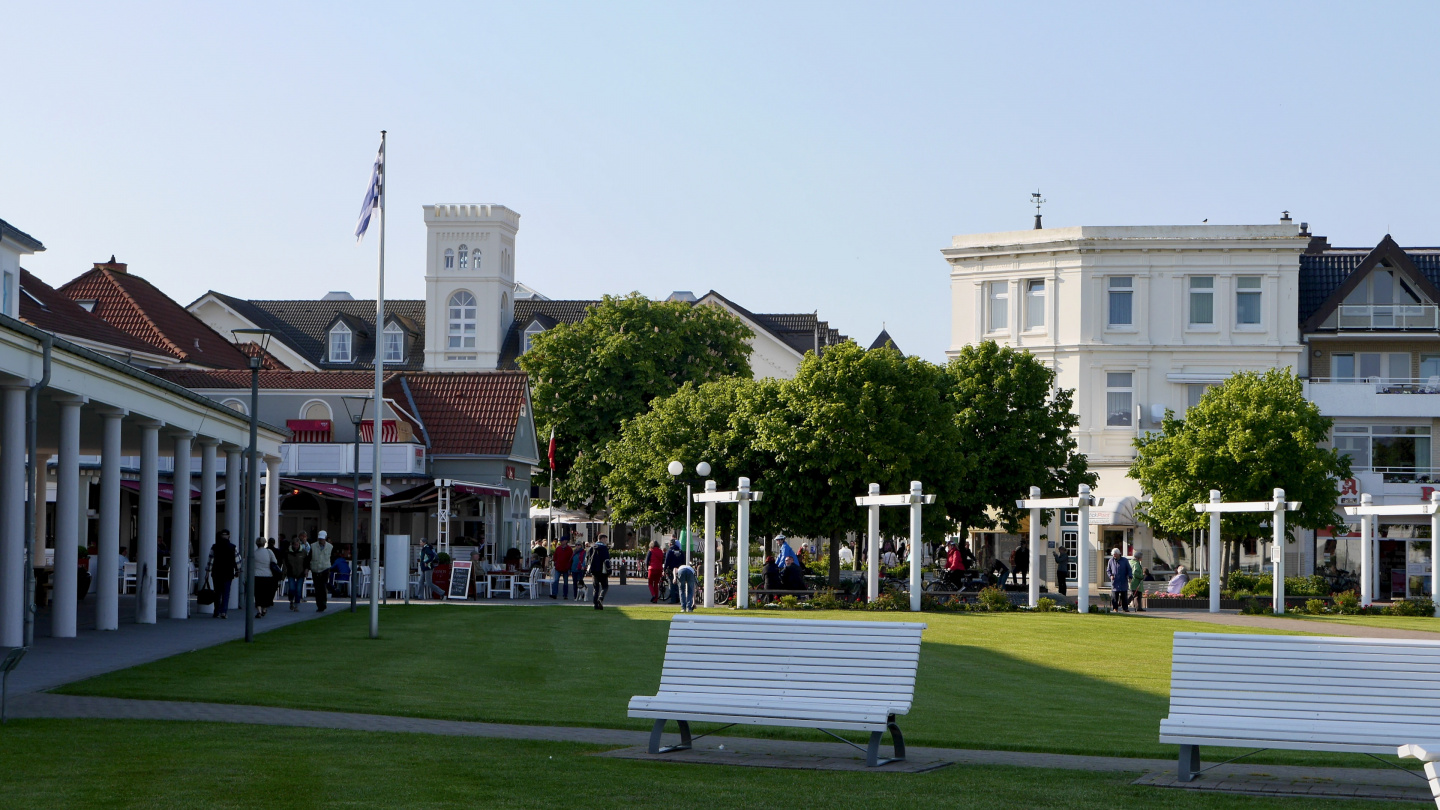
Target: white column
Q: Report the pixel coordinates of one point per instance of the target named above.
(12, 516)
(234, 503)
(272, 497)
(742, 532)
(1435, 550)
(1082, 552)
(180, 530)
(146, 553)
(709, 548)
(872, 549)
(1034, 576)
(1213, 541)
(207, 510)
(916, 504)
(67, 519)
(107, 587)
(1278, 523)
(1367, 587)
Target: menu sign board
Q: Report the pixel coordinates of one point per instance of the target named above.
(459, 580)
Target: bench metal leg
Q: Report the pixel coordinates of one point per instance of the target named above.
(1189, 763)
(659, 728)
(897, 740)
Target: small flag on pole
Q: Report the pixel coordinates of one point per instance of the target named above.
(372, 194)
(552, 448)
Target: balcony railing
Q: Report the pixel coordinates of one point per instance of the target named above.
(401, 458)
(1384, 316)
(1387, 385)
(1401, 475)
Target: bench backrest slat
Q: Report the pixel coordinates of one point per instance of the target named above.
(799, 659)
(1287, 681)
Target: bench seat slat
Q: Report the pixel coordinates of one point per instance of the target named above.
(793, 654)
(843, 677)
(753, 621)
(790, 664)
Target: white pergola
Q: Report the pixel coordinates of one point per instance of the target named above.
(1367, 511)
(1082, 501)
(743, 497)
(916, 500)
(1278, 506)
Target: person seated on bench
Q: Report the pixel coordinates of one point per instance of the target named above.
(1177, 582)
(770, 575)
(792, 578)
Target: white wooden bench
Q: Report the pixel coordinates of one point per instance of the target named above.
(1311, 693)
(855, 676)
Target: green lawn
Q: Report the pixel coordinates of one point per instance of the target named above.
(152, 765)
(1059, 682)
(1426, 623)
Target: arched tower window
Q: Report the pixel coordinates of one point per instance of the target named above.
(461, 332)
(394, 343)
(340, 343)
(449, 259)
(464, 257)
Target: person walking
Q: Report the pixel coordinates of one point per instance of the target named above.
(685, 582)
(674, 558)
(223, 567)
(1062, 568)
(577, 567)
(427, 565)
(1020, 562)
(847, 557)
(562, 558)
(783, 553)
(295, 566)
(599, 568)
(654, 568)
(1118, 569)
(1137, 580)
(320, 552)
(265, 568)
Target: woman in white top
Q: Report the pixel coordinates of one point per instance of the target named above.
(263, 563)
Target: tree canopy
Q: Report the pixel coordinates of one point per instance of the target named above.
(1247, 436)
(588, 377)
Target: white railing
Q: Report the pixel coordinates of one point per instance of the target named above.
(1387, 385)
(1387, 316)
(1400, 475)
(332, 458)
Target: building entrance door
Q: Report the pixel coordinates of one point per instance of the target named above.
(1071, 540)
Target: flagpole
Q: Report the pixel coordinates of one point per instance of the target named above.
(378, 424)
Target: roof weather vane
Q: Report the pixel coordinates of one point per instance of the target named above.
(1038, 200)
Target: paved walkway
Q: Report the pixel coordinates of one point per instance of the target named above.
(55, 661)
(1380, 783)
(1234, 619)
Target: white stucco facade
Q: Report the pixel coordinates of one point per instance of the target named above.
(469, 250)
(1135, 320)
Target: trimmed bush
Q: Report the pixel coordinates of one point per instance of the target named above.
(994, 599)
(1045, 605)
(1411, 607)
(1347, 602)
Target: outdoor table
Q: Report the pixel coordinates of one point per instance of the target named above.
(508, 577)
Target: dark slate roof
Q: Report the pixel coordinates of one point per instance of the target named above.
(302, 325)
(1322, 273)
(799, 331)
(138, 308)
(206, 380)
(883, 339)
(8, 231)
(44, 307)
(526, 310)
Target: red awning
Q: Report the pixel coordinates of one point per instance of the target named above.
(331, 490)
(167, 491)
(480, 489)
(309, 430)
(388, 431)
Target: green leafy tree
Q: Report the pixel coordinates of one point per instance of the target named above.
(588, 377)
(851, 417)
(1009, 413)
(1253, 433)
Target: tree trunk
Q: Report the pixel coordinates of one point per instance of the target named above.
(834, 562)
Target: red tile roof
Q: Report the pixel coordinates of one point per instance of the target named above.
(468, 413)
(136, 307)
(43, 307)
(240, 379)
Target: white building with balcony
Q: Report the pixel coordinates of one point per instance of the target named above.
(1136, 320)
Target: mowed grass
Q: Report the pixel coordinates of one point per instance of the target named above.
(154, 765)
(1060, 683)
(1428, 624)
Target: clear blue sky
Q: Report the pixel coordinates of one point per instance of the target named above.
(794, 156)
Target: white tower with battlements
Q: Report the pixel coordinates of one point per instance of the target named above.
(469, 285)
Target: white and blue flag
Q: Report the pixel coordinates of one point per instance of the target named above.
(372, 194)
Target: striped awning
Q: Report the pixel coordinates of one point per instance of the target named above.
(388, 431)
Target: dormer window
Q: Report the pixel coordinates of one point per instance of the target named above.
(394, 343)
(340, 343)
(464, 257)
(449, 259)
(461, 331)
(530, 332)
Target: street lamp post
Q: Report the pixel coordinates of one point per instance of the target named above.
(355, 409)
(250, 531)
(702, 469)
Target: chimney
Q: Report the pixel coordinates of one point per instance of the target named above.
(118, 267)
(1285, 217)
